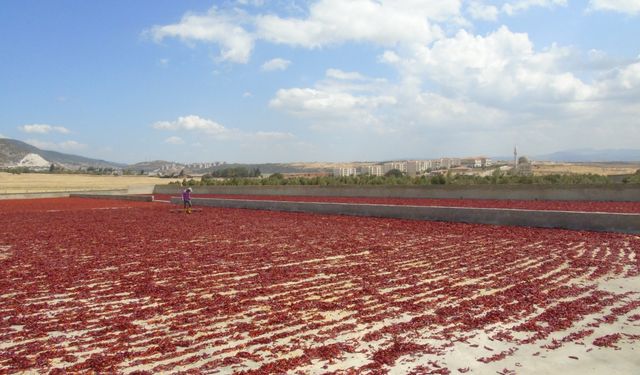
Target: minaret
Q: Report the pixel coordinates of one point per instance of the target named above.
(515, 157)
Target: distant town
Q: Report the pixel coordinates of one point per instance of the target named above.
(19, 157)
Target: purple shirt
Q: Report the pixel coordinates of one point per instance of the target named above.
(186, 195)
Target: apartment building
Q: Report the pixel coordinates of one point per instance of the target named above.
(399, 165)
(344, 172)
(372, 170)
(418, 167)
(476, 162)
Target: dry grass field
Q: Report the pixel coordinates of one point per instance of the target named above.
(41, 182)
(606, 169)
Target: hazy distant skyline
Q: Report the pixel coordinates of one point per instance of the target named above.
(327, 80)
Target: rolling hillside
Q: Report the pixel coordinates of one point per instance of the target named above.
(12, 153)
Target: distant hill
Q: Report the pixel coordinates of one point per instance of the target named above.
(12, 152)
(584, 155)
(592, 155)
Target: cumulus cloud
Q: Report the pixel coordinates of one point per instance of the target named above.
(346, 100)
(500, 69)
(275, 64)
(339, 74)
(631, 7)
(480, 11)
(60, 146)
(197, 124)
(216, 27)
(299, 100)
(192, 123)
(622, 84)
(450, 80)
(336, 21)
(479, 86)
(43, 129)
(523, 5)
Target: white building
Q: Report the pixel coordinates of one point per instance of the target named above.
(344, 172)
(476, 162)
(399, 165)
(372, 170)
(417, 167)
(449, 163)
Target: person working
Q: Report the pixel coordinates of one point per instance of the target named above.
(186, 200)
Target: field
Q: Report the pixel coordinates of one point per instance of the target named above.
(43, 182)
(605, 169)
(110, 286)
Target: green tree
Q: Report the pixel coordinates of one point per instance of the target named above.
(394, 173)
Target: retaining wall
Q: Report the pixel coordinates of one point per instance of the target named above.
(593, 221)
(58, 194)
(517, 192)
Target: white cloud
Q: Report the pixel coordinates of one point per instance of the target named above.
(2, 136)
(631, 7)
(217, 27)
(501, 69)
(480, 11)
(339, 74)
(309, 100)
(60, 146)
(275, 64)
(247, 94)
(389, 57)
(450, 85)
(337, 21)
(622, 84)
(523, 5)
(487, 89)
(338, 102)
(174, 140)
(192, 123)
(43, 129)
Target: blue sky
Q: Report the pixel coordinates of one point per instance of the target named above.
(324, 80)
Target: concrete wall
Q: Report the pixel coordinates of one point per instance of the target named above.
(58, 194)
(604, 222)
(519, 192)
(34, 195)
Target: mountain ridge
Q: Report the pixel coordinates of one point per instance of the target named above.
(12, 151)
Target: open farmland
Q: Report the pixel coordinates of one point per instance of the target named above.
(605, 169)
(110, 286)
(44, 182)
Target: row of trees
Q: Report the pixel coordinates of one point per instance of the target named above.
(633, 179)
(394, 178)
(235, 172)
